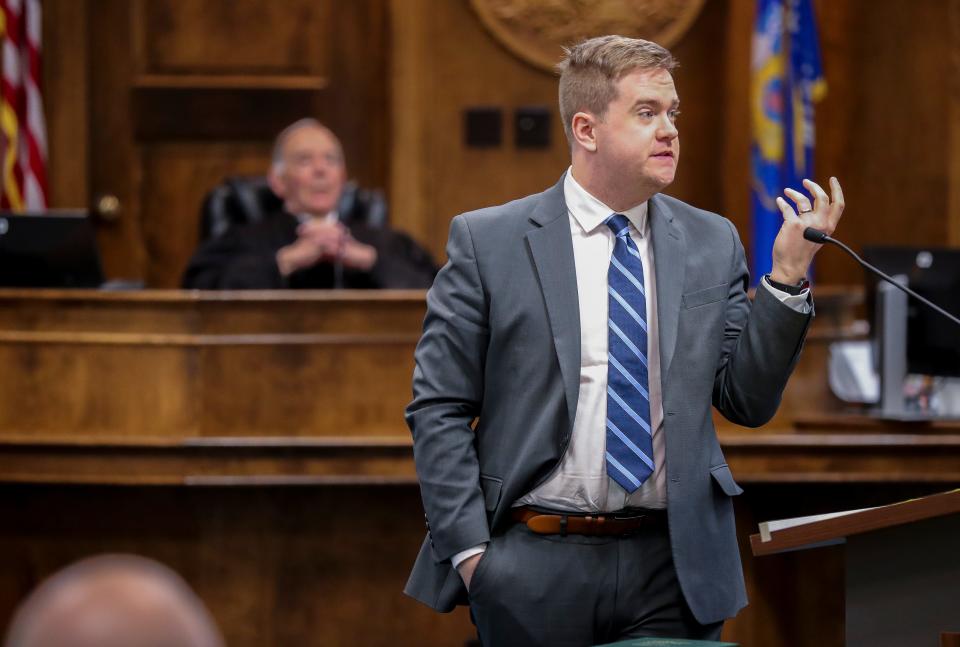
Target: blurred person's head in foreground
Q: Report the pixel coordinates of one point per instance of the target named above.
(113, 601)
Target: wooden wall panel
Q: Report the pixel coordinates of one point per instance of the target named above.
(700, 85)
(357, 105)
(176, 177)
(66, 389)
(113, 168)
(233, 36)
(117, 365)
(453, 63)
(66, 101)
(884, 127)
(734, 153)
(315, 389)
(276, 566)
(953, 209)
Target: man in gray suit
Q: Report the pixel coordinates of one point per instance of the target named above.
(572, 479)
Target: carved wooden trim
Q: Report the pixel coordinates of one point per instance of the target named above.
(73, 338)
(223, 461)
(536, 33)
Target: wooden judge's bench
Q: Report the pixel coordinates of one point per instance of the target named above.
(255, 443)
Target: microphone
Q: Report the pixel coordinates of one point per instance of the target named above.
(821, 237)
(816, 236)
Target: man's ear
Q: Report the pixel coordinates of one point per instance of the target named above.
(584, 131)
(276, 183)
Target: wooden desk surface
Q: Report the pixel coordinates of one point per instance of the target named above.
(104, 366)
(309, 387)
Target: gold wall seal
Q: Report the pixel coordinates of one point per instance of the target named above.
(535, 30)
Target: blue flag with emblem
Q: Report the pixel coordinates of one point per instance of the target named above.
(786, 80)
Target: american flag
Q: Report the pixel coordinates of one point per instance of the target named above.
(23, 132)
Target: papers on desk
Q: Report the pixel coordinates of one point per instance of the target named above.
(768, 527)
(850, 372)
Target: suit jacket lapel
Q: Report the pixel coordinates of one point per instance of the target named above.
(551, 246)
(669, 254)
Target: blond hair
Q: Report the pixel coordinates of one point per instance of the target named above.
(590, 70)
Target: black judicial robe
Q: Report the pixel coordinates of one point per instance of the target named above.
(244, 258)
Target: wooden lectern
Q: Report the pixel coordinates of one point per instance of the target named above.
(902, 566)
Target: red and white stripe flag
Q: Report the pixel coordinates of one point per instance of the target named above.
(23, 131)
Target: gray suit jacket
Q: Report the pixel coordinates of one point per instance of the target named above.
(497, 377)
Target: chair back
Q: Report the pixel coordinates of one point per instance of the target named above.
(243, 200)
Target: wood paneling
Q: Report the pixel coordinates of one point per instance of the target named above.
(276, 566)
(176, 176)
(735, 148)
(953, 211)
(232, 36)
(205, 363)
(82, 458)
(113, 165)
(701, 87)
(410, 88)
(884, 126)
(447, 62)
(110, 366)
(66, 99)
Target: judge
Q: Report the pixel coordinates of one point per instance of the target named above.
(306, 245)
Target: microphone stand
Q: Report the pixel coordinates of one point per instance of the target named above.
(817, 236)
(892, 324)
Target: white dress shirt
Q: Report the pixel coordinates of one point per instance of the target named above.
(332, 216)
(580, 482)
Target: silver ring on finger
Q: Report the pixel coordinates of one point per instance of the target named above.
(803, 211)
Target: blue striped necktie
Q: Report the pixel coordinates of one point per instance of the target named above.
(629, 436)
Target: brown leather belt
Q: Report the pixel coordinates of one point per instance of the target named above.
(606, 524)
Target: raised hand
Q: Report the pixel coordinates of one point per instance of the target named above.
(792, 254)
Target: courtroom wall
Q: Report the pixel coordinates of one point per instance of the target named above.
(884, 128)
(154, 101)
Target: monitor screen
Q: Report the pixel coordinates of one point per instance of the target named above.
(933, 341)
(50, 249)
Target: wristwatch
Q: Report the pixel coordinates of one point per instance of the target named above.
(802, 285)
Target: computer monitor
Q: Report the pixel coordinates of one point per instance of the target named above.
(48, 249)
(933, 341)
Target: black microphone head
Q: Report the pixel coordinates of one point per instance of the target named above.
(815, 235)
